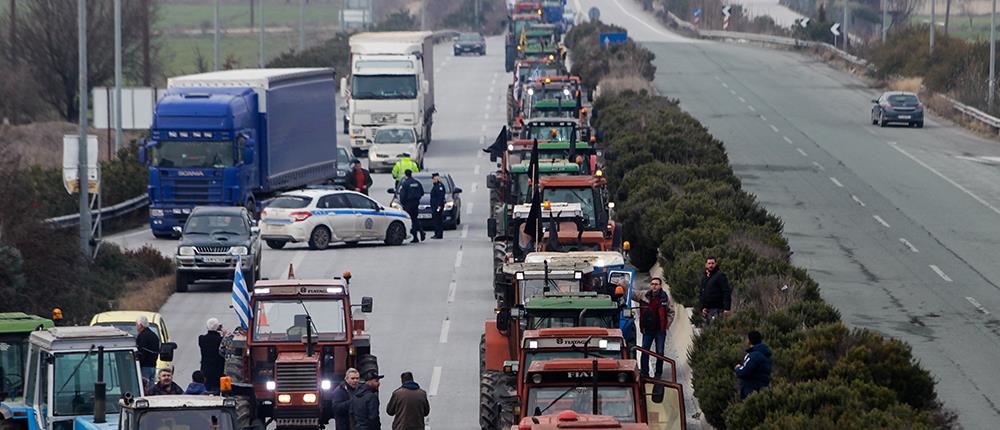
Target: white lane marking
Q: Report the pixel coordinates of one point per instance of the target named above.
(718, 78)
(871, 132)
(479, 154)
(487, 106)
(940, 273)
(802, 152)
(475, 186)
(774, 128)
(128, 235)
(452, 288)
(819, 166)
(482, 139)
(489, 98)
(465, 231)
(458, 258)
(483, 128)
(857, 200)
(732, 92)
(432, 390)
(763, 118)
(908, 244)
(445, 326)
(475, 170)
(725, 85)
(742, 100)
(940, 175)
(881, 221)
(486, 115)
(787, 140)
(836, 182)
(751, 108)
(978, 306)
(468, 209)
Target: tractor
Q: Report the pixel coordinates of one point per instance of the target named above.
(176, 412)
(301, 339)
(596, 231)
(15, 327)
(569, 420)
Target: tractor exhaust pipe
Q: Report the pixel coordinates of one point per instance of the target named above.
(100, 398)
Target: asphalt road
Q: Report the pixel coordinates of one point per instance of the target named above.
(432, 298)
(898, 225)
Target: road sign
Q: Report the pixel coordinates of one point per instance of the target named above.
(71, 164)
(696, 12)
(835, 29)
(594, 13)
(612, 38)
(727, 10)
(804, 22)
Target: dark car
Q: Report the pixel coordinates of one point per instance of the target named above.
(343, 167)
(467, 43)
(452, 206)
(898, 107)
(212, 241)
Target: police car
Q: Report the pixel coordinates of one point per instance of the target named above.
(320, 217)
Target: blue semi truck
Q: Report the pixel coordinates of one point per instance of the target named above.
(232, 138)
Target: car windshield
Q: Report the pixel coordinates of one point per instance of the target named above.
(185, 418)
(199, 154)
(615, 401)
(76, 373)
(470, 37)
(906, 100)
(290, 202)
(13, 350)
(215, 224)
(395, 135)
(536, 322)
(285, 320)
(428, 184)
(343, 158)
(592, 350)
(384, 87)
(129, 327)
(583, 196)
(538, 287)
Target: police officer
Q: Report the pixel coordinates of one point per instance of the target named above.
(405, 163)
(410, 193)
(437, 206)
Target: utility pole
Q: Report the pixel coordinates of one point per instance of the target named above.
(147, 67)
(82, 176)
(933, 21)
(11, 40)
(215, 39)
(475, 19)
(847, 34)
(423, 14)
(118, 76)
(302, 25)
(993, 57)
(260, 18)
(885, 14)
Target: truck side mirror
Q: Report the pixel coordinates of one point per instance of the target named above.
(343, 87)
(366, 304)
(167, 351)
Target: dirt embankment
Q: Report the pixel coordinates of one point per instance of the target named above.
(40, 143)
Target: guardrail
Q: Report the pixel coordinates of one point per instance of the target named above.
(970, 112)
(110, 212)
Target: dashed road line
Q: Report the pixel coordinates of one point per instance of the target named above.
(751, 108)
(802, 152)
(787, 140)
(731, 91)
(725, 85)
(465, 231)
(940, 273)
(445, 326)
(857, 200)
(432, 390)
(942, 176)
(774, 128)
(762, 117)
(475, 170)
(486, 115)
(482, 128)
(458, 258)
(475, 187)
(819, 166)
(881, 221)
(836, 182)
(977, 305)
(468, 209)
(908, 244)
(871, 132)
(742, 100)
(452, 289)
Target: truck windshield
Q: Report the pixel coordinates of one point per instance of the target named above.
(384, 87)
(613, 401)
(76, 372)
(198, 154)
(12, 353)
(285, 320)
(583, 196)
(207, 419)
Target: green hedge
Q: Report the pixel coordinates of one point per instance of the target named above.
(680, 202)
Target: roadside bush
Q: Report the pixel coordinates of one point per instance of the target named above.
(334, 52)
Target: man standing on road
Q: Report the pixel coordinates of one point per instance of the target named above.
(364, 405)
(164, 385)
(716, 294)
(437, 206)
(213, 364)
(148, 344)
(359, 179)
(654, 319)
(408, 405)
(755, 370)
(410, 193)
(405, 163)
(342, 397)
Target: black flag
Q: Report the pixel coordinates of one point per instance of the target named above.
(499, 145)
(532, 227)
(572, 146)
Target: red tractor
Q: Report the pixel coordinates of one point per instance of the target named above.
(301, 340)
(596, 231)
(569, 420)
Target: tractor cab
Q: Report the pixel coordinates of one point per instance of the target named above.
(549, 128)
(598, 231)
(561, 310)
(521, 281)
(15, 328)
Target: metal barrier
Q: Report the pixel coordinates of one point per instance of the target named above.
(970, 112)
(110, 212)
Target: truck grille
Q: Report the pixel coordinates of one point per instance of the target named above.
(212, 249)
(191, 189)
(296, 377)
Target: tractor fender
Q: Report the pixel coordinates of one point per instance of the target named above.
(87, 423)
(16, 412)
(497, 348)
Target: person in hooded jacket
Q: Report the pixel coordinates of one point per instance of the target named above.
(716, 294)
(343, 396)
(408, 405)
(755, 370)
(365, 405)
(654, 319)
(213, 364)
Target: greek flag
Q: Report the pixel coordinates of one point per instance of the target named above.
(241, 298)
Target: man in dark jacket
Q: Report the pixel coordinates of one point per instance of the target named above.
(410, 193)
(343, 396)
(716, 294)
(755, 370)
(408, 405)
(148, 344)
(358, 179)
(364, 405)
(164, 385)
(654, 319)
(437, 206)
(213, 364)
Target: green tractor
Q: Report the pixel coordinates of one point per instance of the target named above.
(15, 327)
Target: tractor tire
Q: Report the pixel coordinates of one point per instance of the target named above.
(244, 412)
(367, 363)
(489, 417)
(482, 354)
(499, 256)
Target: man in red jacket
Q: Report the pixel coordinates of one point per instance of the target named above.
(654, 318)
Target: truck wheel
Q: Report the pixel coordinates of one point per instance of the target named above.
(181, 282)
(395, 234)
(320, 238)
(275, 244)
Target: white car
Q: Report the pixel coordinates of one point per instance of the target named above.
(322, 216)
(390, 143)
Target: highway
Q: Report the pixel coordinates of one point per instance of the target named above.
(432, 298)
(898, 225)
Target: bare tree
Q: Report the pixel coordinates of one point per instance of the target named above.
(47, 43)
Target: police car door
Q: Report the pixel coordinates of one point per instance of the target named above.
(338, 216)
(370, 223)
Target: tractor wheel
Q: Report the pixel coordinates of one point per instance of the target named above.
(499, 255)
(244, 412)
(367, 363)
(505, 408)
(489, 417)
(482, 354)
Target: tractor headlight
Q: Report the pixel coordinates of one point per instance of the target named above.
(325, 384)
(284, 398)
(270, 385)
(309, 398)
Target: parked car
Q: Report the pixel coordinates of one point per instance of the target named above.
(125, 321)
(453, 201)
(470, 43)
(897, 107)
(213, 239)
(343, 167)
(320, 217)
(390, 143)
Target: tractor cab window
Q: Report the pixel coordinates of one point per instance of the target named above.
(536, 322)
(286, 320)
(583, 196)
(611, 400)
(185, 419)
(13, 351)
(538, 287)
(592, 351)
(75, 374)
